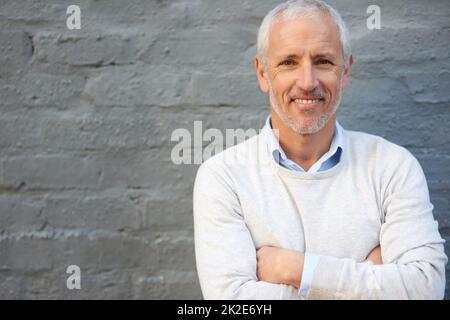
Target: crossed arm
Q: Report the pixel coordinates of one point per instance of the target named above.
(284, 266)
(229, 266)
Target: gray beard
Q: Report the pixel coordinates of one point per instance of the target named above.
(300, 128)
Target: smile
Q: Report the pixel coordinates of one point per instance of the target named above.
(306, 101)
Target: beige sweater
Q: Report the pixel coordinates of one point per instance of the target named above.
(377, 194)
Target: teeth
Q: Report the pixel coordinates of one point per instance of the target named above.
(302, 101)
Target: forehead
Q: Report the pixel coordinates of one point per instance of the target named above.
(315, 31)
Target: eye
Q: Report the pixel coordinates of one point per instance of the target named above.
(287, 62)
(324, 61)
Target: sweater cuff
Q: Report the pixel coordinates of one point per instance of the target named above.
(325, 281)
(309, 266)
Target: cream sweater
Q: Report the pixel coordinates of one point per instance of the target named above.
(377, 194)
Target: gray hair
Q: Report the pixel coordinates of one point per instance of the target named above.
(294, 8)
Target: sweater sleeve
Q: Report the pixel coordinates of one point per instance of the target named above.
(412, 248)
(224, 249)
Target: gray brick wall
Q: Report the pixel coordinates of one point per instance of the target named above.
(86, 118)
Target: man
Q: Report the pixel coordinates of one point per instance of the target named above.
(307, 209)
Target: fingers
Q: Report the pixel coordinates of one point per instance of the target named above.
(375, 255)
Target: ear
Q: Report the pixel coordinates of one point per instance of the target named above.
(346, 77)
(261, 73)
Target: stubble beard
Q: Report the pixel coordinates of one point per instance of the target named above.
(301, 127)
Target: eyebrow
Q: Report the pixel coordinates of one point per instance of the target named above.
(327, 55)
(290, 56)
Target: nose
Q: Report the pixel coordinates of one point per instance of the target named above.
(306, 79)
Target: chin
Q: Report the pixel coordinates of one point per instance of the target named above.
(309, 125)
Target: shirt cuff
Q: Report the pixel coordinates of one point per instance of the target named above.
(309, 265)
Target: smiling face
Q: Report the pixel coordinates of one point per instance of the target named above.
(304, 71)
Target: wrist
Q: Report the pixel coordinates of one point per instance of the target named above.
(294, 269)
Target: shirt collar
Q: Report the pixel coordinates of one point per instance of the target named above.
(280, 156)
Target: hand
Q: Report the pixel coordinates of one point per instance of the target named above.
(280, 266)
(375, 255)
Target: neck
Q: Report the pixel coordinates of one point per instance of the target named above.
(304, 149)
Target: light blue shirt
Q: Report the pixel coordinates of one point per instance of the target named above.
(327, 161)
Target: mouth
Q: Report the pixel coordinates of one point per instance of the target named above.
(306, 103)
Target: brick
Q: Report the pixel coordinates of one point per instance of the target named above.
(138, 86)
(52, 172)
(52, 285)
(426, 129)
(167, 214)
(436, 169)
(106, 253)
(61, 91)
(227, 88)
(10, 285)
(440, 200)
(34, 11)
(15, 53)
(25, 254)
(118, 129)
(176, 250)
(185, 290)
(114, 284)
(122, 128)
(361, 110)
(211, 12)
(9, 92)
(410, 125)
(20, 212)
(95, 252)
(45, 286)
(116, 12)
(167, 284)
(2, 178)
(411, 43)
(358, 97)
(19, 131)
(149, 287)
(36, 285)
(68, 131)
(221, 45)
(410, 13)
(111, 212)
(424, 86)
(145, 170)
(84, 48)
(428, 87)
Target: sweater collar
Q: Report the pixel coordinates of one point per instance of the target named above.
(336, 147)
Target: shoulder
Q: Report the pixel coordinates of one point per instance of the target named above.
(233, 162)
(380, 152)
(366, 143)
(236, 157)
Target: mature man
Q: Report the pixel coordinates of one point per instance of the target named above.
(307, 209)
